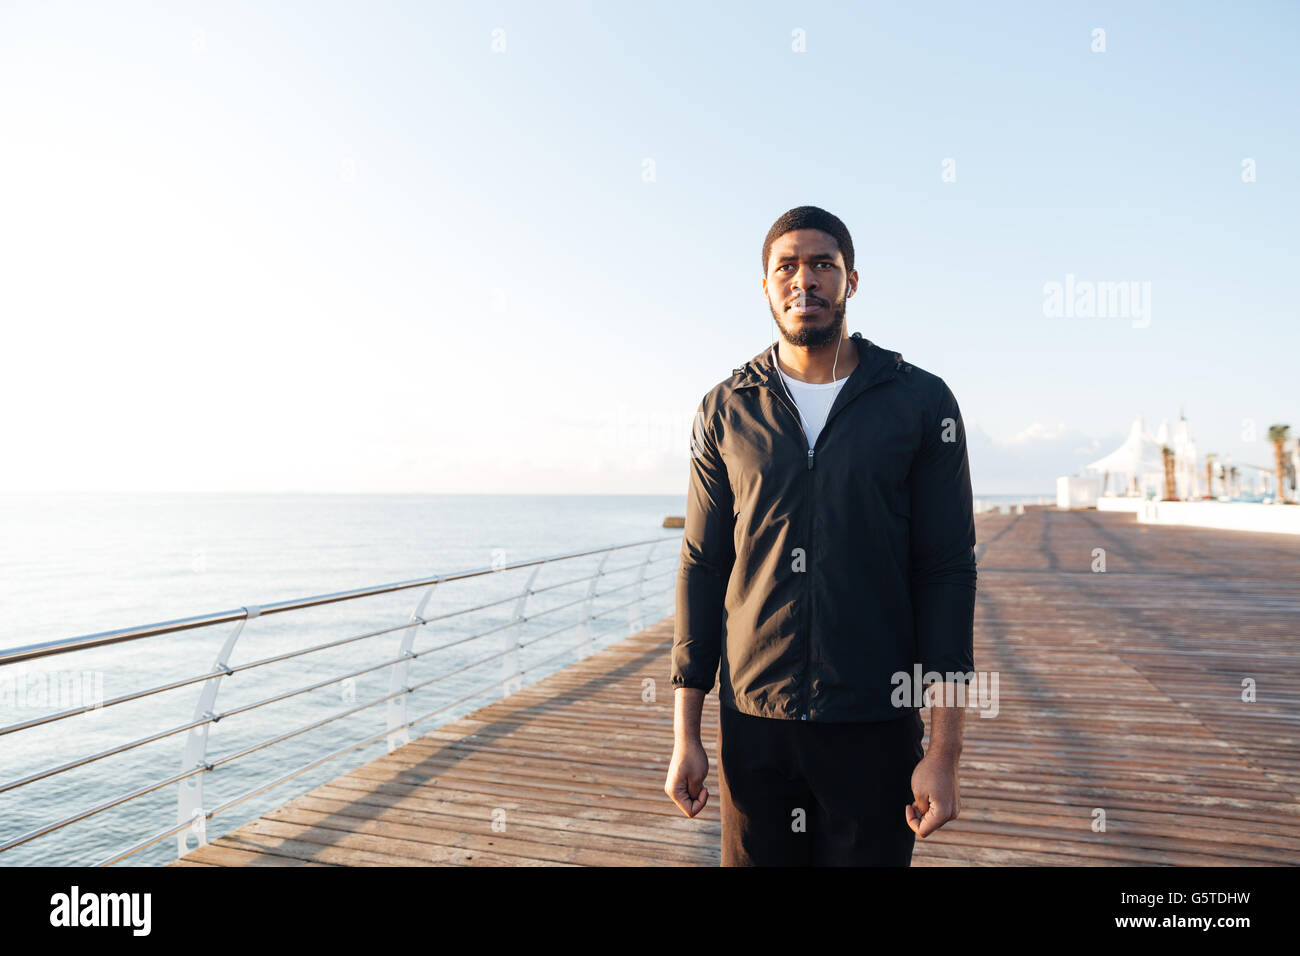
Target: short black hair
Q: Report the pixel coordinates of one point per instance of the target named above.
(810, 217)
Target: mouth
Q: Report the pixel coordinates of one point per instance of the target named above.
(809, 307)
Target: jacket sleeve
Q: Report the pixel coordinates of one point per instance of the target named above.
(943, 544)
(708, 553)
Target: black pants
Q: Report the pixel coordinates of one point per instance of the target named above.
(807, 793)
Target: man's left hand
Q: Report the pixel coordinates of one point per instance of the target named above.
(934, 792)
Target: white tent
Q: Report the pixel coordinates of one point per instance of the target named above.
(1139, 457)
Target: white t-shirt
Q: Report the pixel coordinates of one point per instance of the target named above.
(813, 402)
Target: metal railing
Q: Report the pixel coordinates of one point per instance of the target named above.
(190, 828)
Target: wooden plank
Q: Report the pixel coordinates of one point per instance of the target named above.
(221, 854)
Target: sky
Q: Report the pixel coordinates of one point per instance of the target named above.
(508, 247)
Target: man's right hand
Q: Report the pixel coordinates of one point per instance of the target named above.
(686, 773)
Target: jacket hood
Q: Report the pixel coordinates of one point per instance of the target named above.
(875, 365)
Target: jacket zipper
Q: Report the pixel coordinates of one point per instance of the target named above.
(807, 647)
(811, 502)
(807, 650)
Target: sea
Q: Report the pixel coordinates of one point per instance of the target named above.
(81, 564)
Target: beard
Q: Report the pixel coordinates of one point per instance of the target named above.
(812, 337)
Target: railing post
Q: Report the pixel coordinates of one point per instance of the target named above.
(398, 732)
(511, 665)
(636, 612)
(587, 642)
(189, 792)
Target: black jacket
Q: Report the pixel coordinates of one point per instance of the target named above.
(825, 572)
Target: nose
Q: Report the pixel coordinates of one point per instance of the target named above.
(804, 281)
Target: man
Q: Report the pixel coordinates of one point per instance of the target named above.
(827, 563)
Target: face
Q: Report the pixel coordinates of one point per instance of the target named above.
(807, 287)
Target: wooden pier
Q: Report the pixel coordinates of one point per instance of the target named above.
(1119, 693)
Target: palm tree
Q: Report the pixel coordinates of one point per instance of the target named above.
(1278, 434)
(1168, 455)
(1209, 474)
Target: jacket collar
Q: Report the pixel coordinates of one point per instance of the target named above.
(875, 365)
